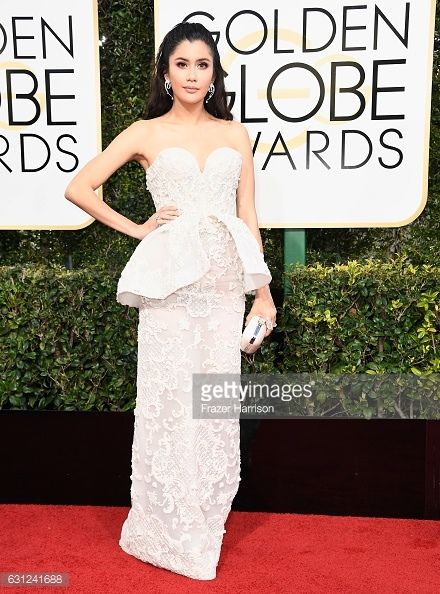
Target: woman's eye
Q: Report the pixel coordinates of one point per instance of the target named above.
(184, 64)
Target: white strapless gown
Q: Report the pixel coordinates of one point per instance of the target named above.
(188, 278)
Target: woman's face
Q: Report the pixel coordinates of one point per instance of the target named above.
(190, 65)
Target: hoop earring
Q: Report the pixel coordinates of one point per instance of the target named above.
(167, 88)
(211, 90)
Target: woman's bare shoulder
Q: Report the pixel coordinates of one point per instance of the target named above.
(231, 130)
(149, 133)
(148, 125)
(239, 136)
(237, 127)
(147, 129)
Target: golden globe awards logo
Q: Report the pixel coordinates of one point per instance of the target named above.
(29, 97)
(320, 24)
(49, 109)
(336, 99)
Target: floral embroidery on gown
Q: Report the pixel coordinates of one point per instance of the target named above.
(189, 278)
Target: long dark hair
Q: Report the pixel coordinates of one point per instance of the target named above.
(159, 101)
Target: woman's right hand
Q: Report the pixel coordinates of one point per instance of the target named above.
(165, 213)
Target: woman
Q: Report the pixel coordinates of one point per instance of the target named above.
(199, 255)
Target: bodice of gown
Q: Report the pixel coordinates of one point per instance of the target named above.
(173, 254)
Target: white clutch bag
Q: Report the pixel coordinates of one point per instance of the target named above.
(253, 334)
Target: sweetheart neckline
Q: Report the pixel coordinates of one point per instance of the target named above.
(201, 171)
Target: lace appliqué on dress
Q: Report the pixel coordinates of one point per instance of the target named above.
(185, 471)
(174, 255)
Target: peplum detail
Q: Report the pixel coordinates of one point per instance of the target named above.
(173, 255)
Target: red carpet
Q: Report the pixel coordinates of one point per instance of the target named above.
(262, 552)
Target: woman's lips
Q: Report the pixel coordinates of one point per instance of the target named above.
(189, 90)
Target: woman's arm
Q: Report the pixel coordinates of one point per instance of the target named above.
(246, 187)
(246, 194)
(263, 303)
(125, 147)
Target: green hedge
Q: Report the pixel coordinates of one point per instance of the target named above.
(358, 318)
(69, 345)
